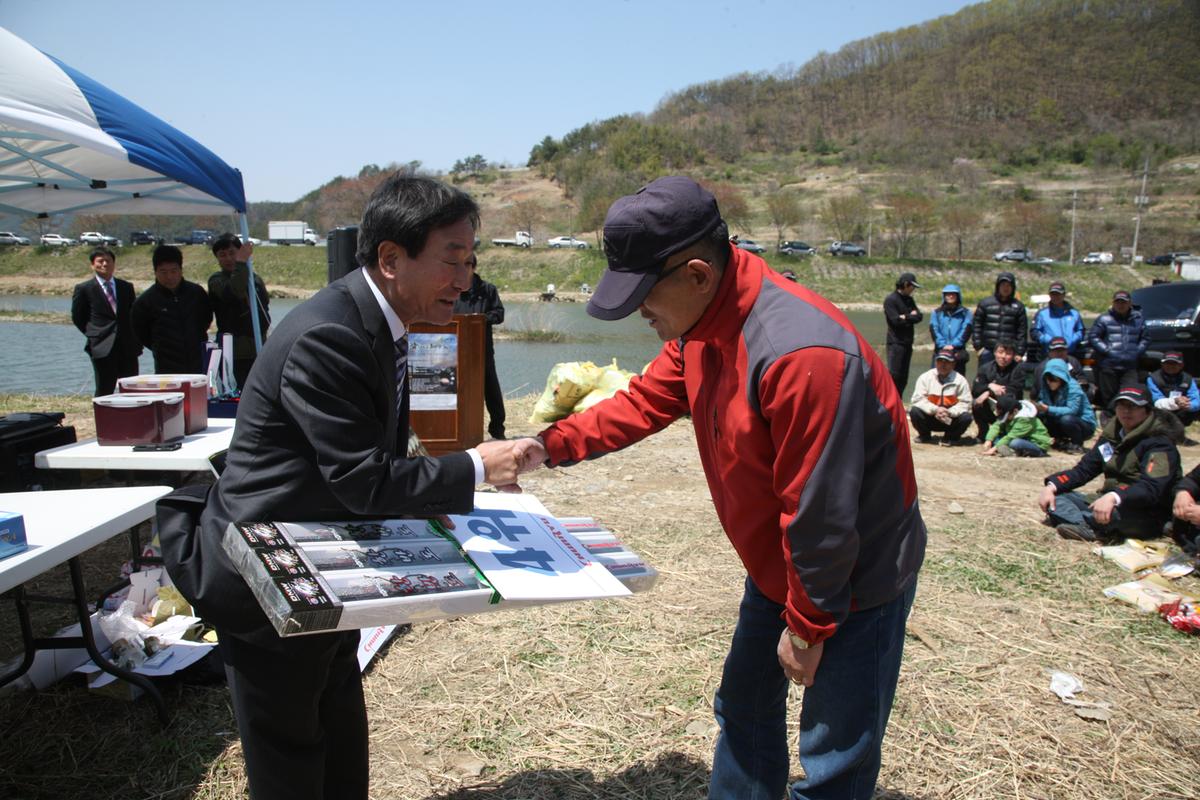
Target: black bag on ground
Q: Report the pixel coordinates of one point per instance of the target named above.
(23, 435)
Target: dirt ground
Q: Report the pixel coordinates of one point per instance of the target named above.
(614, 699)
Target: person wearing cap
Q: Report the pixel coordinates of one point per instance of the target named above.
(950, 325)
(803, 441)
(1118, 337)
(1057, 348)
(902, 315)
(1064, 407)
(482, 298)
(1058, 320)
(1017, 430)
(998, 316)
(1172, 389)
(941, 401)
(1001, 376)
(1140, 466)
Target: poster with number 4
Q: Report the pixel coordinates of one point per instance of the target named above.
(528, 555)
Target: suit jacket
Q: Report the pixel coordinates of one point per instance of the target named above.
(107, 333)
(317, 438)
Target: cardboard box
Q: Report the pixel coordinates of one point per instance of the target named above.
(12, 534)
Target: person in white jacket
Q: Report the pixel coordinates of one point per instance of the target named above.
(941, 401)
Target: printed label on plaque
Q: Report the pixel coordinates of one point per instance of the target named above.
(433, 371)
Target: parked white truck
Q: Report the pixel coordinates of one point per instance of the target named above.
(522, 239)
(291, 232)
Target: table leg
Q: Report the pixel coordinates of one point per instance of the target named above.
(89, 643)
(22, 605)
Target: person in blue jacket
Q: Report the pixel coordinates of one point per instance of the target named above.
(950, 326)
(1064, 408)
(1118, 338)
(1172, 389)
(1059, 319)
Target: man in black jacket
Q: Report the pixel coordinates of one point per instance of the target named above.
(482, 298)
(998, 316)
(322, 434)
(1001, 376)
(902, 315)
(100, 309)
(171, 318)
(229, 295)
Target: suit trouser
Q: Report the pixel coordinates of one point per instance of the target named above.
(108, 369)
(300, 715)
(493, 396)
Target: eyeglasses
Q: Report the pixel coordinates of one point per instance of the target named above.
(666, 273)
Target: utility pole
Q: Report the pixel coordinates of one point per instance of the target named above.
(1074, 198)
(1139, 203)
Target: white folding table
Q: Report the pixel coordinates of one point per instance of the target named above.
(192, 456)
(60, 526)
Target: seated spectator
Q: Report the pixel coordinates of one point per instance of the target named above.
(1064, 408)
(1058, 349)
(1186, 530)
(1001, 377)
(1140, 465)
(1017, 431)
(1174, 390)
(941, 401)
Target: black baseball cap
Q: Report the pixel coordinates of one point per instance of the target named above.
(1006, 403)
(1121, 294)
(1058, 342)
(906, 278)
(640, 232)
(1058, 287)
(947, 353)
(1173, 355)
(1138, 395)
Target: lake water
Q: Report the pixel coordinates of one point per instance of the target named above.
(49, 359)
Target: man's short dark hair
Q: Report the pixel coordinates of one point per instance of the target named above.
(166, 254)
(405, 210)
(224, 242)
(716, 245)
(1007, 344)
(101, 251)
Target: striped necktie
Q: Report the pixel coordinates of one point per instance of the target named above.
(401, 374)
(108, 292)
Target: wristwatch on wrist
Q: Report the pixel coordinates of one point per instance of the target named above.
(797, 642)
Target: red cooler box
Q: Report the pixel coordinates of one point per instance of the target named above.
(195, 394)
(138, 418)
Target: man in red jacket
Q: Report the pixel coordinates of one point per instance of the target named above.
(804, 443)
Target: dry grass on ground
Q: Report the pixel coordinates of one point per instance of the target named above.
(613, 699)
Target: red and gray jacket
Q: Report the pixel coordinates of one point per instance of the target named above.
(803, 439)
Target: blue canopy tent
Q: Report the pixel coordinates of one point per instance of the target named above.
(70, 144)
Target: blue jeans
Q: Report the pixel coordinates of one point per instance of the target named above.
(1024, 447)
(844, 713)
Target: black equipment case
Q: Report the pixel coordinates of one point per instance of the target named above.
(23, 435)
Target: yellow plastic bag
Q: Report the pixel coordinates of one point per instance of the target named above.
(567, 384)
(612, 380)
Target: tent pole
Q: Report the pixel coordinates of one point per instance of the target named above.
(250, 293)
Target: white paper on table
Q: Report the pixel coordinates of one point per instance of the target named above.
(530, 556)
(167, 661)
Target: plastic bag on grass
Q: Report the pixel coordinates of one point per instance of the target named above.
(567, 384)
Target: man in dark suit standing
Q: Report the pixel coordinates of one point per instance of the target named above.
(100, 310)
(322, 434)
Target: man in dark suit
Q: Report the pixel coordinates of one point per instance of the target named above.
(100, 310)
(321, 434)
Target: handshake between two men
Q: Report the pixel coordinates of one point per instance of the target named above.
(505, 459)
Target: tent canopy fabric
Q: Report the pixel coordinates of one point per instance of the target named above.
(69, 144)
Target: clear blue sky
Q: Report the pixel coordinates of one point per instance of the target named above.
(295, 93)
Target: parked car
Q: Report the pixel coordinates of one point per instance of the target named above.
(1098, 258)
(8, 237)
(56, 240)
(846, 249)
(144, 237)
(1170, 311)
(97, 238)
(1017, 254)
(791, 248)
(567, 241)
(751, 246)
(1165, 259)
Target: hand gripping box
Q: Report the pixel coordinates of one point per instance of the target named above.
(124, 419)
(193, 387)
(311, 577)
